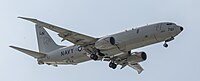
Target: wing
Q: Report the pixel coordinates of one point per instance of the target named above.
(137, 67)
(74, 37)
(122, 60)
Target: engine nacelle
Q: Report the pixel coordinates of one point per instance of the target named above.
(105, 43)
(137, 57)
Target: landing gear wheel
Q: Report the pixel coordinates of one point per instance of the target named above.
(165, 45)
(94, 56)
(112, 65)
(40, 62)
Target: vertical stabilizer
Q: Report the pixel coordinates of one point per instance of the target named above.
(45, 42)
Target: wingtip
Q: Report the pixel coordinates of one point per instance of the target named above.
(28, 19)
(23, 17)
(13, 47)
(139, 72)
(20, 17)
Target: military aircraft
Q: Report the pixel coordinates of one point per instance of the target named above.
(115, 48)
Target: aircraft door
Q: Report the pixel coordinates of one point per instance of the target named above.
(158, 27)
(158, 34)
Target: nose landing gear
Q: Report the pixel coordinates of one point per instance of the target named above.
(94, 56)
(165, 45)
(168, 40)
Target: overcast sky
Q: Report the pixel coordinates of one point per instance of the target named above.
(179, 62)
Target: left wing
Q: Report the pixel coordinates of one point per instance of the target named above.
(74, 37)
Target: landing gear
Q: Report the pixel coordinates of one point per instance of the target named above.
(55, 65)
(40, 62)
(112, 65)
(168, 40)
(165, 45)
(94, 56)
(99, 53)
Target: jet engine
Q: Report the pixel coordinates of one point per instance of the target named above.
(105, 43)
(137, 57)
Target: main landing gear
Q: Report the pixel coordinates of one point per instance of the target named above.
(112, 65)
(40, 62)
(96, 55)
(169, 39)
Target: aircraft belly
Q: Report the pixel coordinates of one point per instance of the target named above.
(56, 57)
(76, 58)
(69, 60)
(111, 52)
(82, 59)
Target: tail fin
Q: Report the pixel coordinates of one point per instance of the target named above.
(45, 42)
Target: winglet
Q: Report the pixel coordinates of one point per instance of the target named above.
(29, 19)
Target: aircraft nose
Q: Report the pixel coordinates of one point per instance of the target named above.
(181, 28)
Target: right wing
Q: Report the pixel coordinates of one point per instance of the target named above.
(74, 37)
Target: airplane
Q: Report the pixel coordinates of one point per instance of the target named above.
(115, 48)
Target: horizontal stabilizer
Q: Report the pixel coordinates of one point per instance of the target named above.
(29, 52)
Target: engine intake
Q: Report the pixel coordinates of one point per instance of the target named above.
(105, 43)
(143, 55)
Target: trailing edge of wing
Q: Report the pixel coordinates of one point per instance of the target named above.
(29, 52)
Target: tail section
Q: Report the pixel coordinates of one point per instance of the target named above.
(45, 42)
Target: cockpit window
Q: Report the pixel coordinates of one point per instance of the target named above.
(169, 23)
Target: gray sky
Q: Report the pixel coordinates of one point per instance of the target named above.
(179, 62)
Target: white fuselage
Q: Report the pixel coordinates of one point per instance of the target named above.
(126, 41)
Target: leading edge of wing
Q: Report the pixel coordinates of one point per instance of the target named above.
(74, 37)
(29, 19)
(41, 23)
